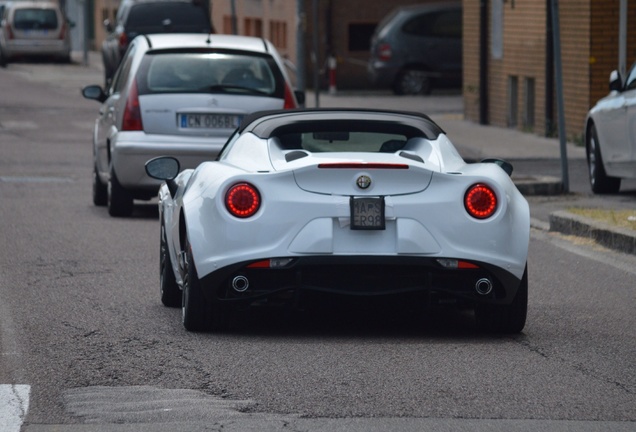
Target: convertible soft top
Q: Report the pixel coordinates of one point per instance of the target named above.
(266, 124)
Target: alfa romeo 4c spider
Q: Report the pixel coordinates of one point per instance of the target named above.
(346, 202)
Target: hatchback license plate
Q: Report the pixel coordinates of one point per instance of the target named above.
(209, 121)
(367, 213)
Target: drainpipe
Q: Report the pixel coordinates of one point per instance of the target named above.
(483, 62)
(549, 72)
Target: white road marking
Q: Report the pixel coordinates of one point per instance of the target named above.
(14, 404)
(19, 124)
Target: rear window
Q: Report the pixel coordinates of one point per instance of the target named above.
(168, 17)
(210, 72)
(346, 136)
(444, 24)
(35, 19)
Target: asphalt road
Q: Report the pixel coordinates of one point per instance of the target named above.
(81, 322)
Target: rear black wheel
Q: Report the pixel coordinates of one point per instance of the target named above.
(505, 318)
(100, 190)
(198, 314)
(120, 201)
(412, 82)
(600, 182)
(170, 292)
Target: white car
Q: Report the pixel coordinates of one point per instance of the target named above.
(180, 95)
(34, 29)
(610, 135)
(354, 202)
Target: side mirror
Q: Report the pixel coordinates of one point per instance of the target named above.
(506, 166)
(164, 168)
(94, 92)
(616, 83)
(108, 26)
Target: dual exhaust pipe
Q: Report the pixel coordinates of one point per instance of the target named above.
(240, 283)
(483, 286)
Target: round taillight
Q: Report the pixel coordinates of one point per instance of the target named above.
(480, 201)
(242, 200)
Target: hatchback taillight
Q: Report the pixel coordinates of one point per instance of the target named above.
(480, 201)
(242, 200)
(11, 36)
(290, 100)
(62, 32)
(384, 52)
(123, 41)
(131, 120)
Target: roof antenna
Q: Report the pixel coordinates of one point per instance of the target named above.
(208, 40)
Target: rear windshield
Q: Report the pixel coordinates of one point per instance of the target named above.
(35, 19)
(210, 72)
(168, 17)
(346, 136)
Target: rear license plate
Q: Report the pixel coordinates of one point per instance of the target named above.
(209, 121)
(367, 213)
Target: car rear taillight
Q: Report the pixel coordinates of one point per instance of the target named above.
(290, 100)
(123, 41)
(384, 52)
(62, 32)
(11, 36)
(242, 200)
(480, 201)
(132, 112)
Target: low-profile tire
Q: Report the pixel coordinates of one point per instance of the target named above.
(198, 314)
(100, 190)
(120, 201)
(168, 288)
(508, 319)
(600, 182)
(412, 82)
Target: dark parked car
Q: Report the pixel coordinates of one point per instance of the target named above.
(418, 47)
(136, 17)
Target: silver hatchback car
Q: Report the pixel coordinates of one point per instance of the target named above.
(34, 28)
(180, 95)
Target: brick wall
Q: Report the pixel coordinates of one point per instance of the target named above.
(589, 52)
(351, 71)
(604, 44)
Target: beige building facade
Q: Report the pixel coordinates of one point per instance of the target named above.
(508, 64)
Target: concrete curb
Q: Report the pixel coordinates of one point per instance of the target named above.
(616, 238)
(542, 185)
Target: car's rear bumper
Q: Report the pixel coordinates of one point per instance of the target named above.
(43, 47)
(362, 276)
(130, 156)
(381, 73)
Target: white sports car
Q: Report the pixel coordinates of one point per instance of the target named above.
(350, 201)
(610, 141)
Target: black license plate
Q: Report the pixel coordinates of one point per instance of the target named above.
(367, 213)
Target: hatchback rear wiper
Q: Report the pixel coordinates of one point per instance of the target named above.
(232, 89)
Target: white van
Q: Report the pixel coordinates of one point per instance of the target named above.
(34, 28)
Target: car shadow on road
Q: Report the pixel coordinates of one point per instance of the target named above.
(359, 318)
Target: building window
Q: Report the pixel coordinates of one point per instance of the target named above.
(253, 27)
(513, 100)
(278, 34)
(528, 103)
(360, 36)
